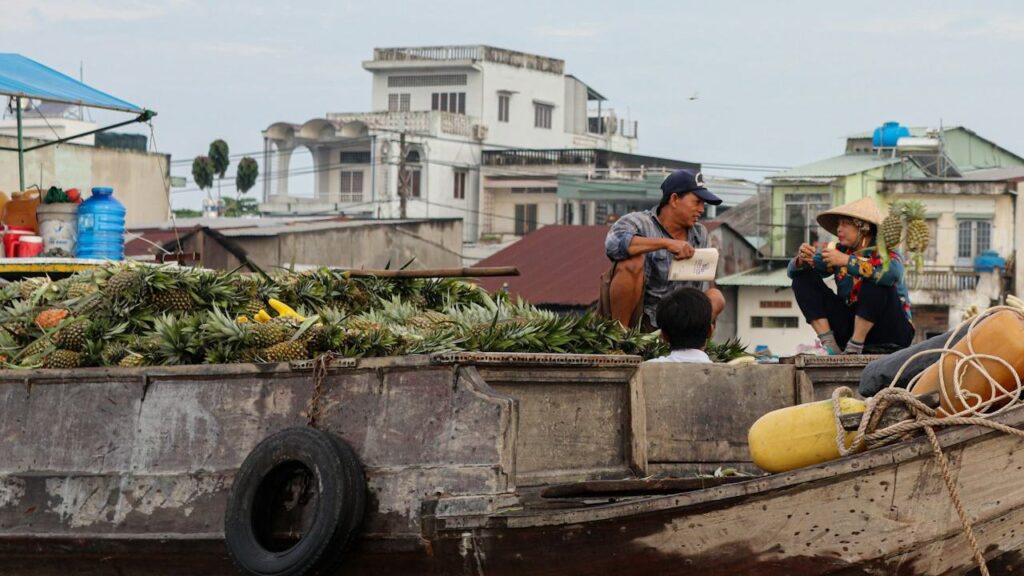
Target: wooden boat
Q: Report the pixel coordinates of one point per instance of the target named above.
(488, 464)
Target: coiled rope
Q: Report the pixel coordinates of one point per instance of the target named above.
(974, 412)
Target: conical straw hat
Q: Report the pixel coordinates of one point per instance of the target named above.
(864, 209)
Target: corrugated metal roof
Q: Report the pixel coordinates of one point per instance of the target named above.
(844, 165)
(557, 264)
(758, 277)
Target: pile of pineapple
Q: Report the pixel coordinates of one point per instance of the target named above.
(141, 315)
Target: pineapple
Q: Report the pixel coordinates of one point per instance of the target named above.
(128, 283)
(175, 300)
(62, 359)
(132, 360)
(284, 352)
(113, 353)
(17, 320)
(37, 347)
(269, 333)
(891, 230)
(317, 338)
(30, 287)
(79, 288)
(71, 336)
(917, 229)
(50, 317)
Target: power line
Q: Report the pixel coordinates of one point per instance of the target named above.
(492, 147)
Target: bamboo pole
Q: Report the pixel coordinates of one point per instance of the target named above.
(440, 272)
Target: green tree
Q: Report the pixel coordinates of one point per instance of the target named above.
(187, 213)
(221, 160)
(220, 156)
(245, 175)
(241, 207)
(202, 172)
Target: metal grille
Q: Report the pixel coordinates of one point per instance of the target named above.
(351, 186)
(419, 80)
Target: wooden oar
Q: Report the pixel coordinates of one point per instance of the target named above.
(440, 272)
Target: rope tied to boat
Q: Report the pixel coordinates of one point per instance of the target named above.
(974, 413)
(316, 403)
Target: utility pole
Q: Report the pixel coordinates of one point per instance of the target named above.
(403, 177)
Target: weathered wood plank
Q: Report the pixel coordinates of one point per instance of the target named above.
(702, 413)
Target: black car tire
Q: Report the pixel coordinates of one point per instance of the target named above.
(336, 477)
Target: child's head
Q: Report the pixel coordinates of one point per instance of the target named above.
(684, 317)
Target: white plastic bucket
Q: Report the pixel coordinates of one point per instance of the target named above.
(58, 225)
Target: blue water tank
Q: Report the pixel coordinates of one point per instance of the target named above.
(988, 261)
(101, 226)
(888, 134)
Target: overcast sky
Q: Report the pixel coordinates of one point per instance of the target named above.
(777, 83)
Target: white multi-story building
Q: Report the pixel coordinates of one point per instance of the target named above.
(435, 110)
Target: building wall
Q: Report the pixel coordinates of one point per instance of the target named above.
(140, 179)
(781, 341)
(969, 152)
(735, 255)
(528, 86)
(503, 209)
(1018, 284)
(433, 244)
(778, 215)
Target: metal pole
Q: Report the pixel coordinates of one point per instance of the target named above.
(403, 191)
(21, 145)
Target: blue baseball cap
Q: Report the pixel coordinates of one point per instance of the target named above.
(682, 181)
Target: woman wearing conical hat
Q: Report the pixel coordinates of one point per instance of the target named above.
(870, 306)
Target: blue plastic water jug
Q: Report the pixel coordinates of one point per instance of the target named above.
(101, 226)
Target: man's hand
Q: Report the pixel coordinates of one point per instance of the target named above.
(680, 249)
(835, 258)
(806, 253)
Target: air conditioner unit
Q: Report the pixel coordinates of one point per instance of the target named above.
(479, 132)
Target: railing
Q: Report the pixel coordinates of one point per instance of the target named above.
(942, 280)
(429, 53)
(485, 53)
(567, 156)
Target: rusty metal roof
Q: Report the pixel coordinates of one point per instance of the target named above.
(558, 265)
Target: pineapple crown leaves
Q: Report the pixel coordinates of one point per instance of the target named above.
(218, 326)
(730, 350)
(304, 327)
(177, 339)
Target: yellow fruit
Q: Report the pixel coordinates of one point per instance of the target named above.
(285, 310)
(262, 316)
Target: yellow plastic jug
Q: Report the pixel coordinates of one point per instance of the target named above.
(798, 436)
(20, 211)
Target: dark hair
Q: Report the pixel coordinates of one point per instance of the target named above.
(684, 317)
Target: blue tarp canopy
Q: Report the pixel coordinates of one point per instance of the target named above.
(25, 78)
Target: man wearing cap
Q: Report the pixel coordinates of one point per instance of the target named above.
(871, 305)
(643, 244)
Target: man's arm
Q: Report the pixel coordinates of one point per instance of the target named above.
(680, 249)
(624, 241)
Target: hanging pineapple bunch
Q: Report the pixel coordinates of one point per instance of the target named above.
(917, 232)
(890, 234)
